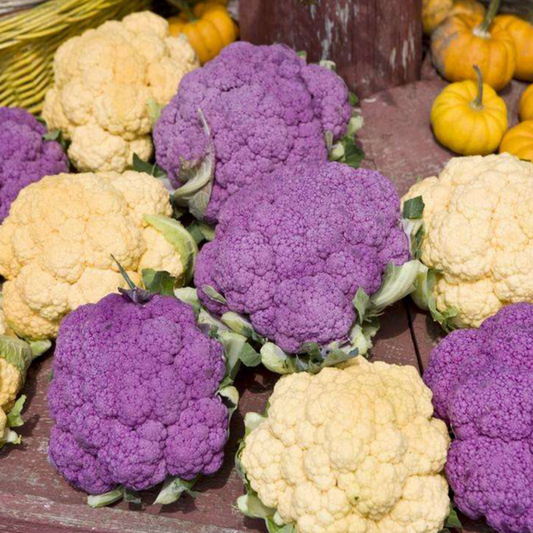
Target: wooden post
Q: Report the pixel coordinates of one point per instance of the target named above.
(376, 44)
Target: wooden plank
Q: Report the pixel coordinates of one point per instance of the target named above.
(35, 499)
(376, 44)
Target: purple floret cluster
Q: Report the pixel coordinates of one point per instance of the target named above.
(266, 108)
(482, 382)
(292, 252)
(133, 396)
(24, 156)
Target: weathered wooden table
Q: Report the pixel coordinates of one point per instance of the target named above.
(35, 499)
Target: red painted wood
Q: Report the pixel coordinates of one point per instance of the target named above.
(376, 44)
(397, 137)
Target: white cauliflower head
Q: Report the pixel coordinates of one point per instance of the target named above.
(56, 244)
(107, 81)
(351, 450)
(478, 224)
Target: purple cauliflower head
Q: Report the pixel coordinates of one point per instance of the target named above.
(482, 382)
(133, 397)
(291, 252)
(265, 108)
(25, 157)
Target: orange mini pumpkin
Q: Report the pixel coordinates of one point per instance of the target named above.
(208, 27)
(435, 11)
(519, 141)
(526, 104)
(522, 32)
(463, 41)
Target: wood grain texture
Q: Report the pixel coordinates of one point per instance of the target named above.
(35, 499)
(376, 44)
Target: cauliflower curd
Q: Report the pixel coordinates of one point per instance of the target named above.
(56, 244)
(478, 222)
(106, 81)
(351, 450)
(11, 378)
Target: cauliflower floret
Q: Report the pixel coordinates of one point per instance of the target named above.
(478, 220)
(291, 253)
(482, 381)
(56, 244)
(352, 449)
(134, 395)
(106, 80)
(266, 108)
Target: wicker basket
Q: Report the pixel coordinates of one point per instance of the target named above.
(29, 39)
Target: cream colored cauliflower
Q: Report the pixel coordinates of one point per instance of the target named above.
(107, 83)
(478, 223)
(4, 329)
(56, 244)
(352, 450)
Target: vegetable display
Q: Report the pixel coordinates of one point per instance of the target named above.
(463, 41)
(353, 449)
(208, 26)
(242, 117)
(25, 154)
(481, 382)
(109, 85)
(55, 245)
(303, 262)
(136, 398)
(476, 238)
(519, 141)
(435, 11)
(522, 33)
(469, 118)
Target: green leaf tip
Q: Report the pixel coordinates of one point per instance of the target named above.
(201, 231)
(102, 500)
(180, 239)
(40, 347)
(413, 208)
(173, 488)
(424, 297)
(14, 418)
(213, 294)
(159, 282)
(453, 520)
(152, 169)
(16, 352)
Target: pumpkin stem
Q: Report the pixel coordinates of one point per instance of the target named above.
(184, 7)
(494, 6)
(478, 102)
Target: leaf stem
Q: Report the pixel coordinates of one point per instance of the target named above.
(478, 102)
